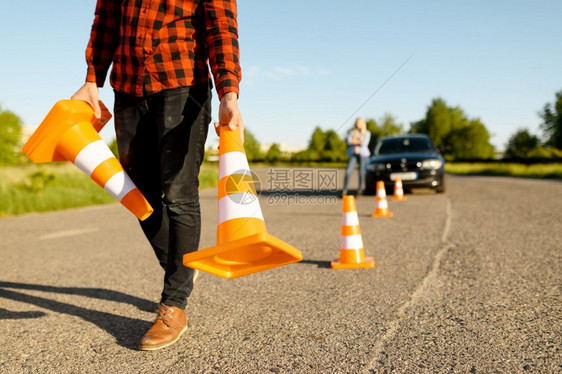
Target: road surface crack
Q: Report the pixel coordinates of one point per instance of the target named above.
(418, 293)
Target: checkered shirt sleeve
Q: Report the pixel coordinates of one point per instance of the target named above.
(103, 40)
(222, 42)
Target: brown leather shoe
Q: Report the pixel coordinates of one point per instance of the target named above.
(170, 323)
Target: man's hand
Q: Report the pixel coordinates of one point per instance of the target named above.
(89, 93)
(229, 114)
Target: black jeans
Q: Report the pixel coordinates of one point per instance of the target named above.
(161, 140)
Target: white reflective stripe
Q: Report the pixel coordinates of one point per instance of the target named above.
(351, 242)
(239, 205)
(383, 204)
(119, 185)
(233, 162)
(91, 156)
(349, 219)
(381, 192)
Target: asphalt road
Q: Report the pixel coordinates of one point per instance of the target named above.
(468, 281)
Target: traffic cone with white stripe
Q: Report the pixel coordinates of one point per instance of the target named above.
(381, 206)
(398, 191)
(352, 253)
(69, 132)
(243, 244)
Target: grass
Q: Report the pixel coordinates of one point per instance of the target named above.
(56, 186)
(309, 164)
(553, 170)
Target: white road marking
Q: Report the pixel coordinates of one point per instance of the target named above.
(67, 233)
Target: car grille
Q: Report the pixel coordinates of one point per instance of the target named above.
(398, 166)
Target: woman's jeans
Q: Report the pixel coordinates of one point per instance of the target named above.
(161, 140)
(353, 160)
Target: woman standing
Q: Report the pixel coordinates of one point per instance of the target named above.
(358, 152)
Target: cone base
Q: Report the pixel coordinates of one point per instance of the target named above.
(399, 198)
(382, 214)
(41, 145)
(274, 253)
(369, 263)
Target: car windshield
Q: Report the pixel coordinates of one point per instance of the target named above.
(404, 145)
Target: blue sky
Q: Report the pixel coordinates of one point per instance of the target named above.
(306, 65)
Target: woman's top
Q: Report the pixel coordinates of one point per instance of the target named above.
(362, 149)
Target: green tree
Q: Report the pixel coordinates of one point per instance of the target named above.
(389, 126)
(452, 131)
(334, 147)
(252, 146)
(552, 125)
(315, 147)
(472, 140)
(10, 136)
(323, 146)
(304, 156)
(273, 153)
(437, 122)
(373, 128)
(522, 144)
(386, 126)
(317, 141)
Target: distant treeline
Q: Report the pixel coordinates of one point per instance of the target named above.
(456, 135)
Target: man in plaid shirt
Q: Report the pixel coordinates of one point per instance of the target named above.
(159, 50)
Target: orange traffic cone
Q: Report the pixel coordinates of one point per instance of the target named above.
(352, 254)
(381, 207)
(398, 191)
(69, 132)
(243, 244)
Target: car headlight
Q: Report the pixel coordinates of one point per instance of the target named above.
(377, 167)
(432, 164)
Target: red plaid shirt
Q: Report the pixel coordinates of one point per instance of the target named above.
(161, 44)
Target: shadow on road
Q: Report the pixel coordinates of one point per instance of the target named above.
(320, 264)
(95, 293)
(126, 331)
(8, 314)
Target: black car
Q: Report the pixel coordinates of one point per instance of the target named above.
(411, 157)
